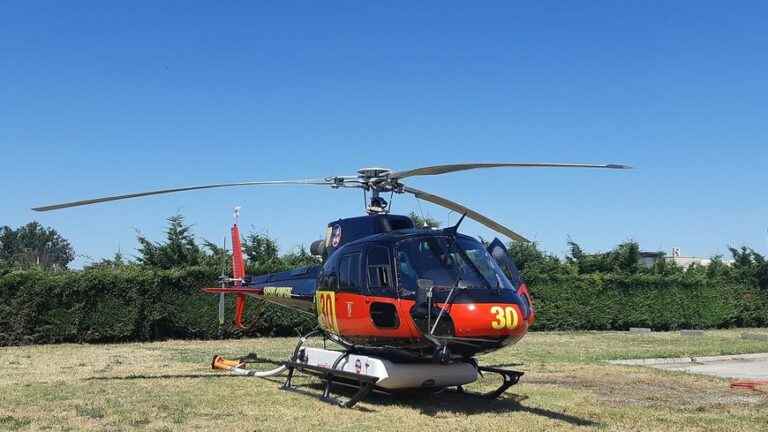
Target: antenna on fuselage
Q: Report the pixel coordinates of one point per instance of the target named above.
(455, 229)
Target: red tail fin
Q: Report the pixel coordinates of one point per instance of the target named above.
(238, 272)
(238, 268)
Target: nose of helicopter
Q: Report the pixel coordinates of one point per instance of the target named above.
(499, 316)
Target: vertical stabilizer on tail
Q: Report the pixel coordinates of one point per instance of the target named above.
(238, 271)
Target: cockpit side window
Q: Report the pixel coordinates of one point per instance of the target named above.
(379, 271)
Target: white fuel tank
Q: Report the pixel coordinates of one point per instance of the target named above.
(394, 376)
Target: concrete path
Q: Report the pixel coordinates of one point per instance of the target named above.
(743, 366)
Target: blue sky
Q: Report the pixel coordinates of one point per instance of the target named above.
(99, 98)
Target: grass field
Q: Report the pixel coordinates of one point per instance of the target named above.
(169, 386)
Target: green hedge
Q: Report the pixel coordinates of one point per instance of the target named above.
(128, 304)
(618, 302)
(137, 304)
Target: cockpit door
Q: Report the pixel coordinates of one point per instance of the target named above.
(499, 253)
(381, 288)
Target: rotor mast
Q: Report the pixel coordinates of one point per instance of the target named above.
(374, 180)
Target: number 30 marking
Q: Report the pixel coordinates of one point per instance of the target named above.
(506, 317)
(326, 307)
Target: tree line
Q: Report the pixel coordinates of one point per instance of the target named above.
(33, 246)
(624, 260)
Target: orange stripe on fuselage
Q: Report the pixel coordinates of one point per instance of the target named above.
(352, 315)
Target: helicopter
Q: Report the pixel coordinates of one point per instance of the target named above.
(409, 306)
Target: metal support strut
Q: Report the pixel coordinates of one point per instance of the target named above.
(298, 360)
(364, 383)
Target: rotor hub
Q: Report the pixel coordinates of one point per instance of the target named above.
(370, 173)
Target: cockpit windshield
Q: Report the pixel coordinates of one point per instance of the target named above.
(485, 263)
(448, 263)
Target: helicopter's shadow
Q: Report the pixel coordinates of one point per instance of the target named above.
(433, 404)
(430, 404)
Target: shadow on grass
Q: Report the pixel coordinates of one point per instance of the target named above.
(467, 404)
(504, 365)
(428, 403)
(452, 402)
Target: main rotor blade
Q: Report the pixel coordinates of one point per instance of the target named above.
(444, 169)
(444, 202)
(183, 189)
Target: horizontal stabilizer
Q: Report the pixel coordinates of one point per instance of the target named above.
(294, 289)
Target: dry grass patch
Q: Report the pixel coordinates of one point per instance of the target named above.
(168, 386)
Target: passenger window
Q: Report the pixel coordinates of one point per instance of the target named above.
(379, 274)
(349, 273)
(329, 280)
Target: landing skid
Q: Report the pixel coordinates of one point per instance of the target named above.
(366, 383)
(510, 378)
(367, 373)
